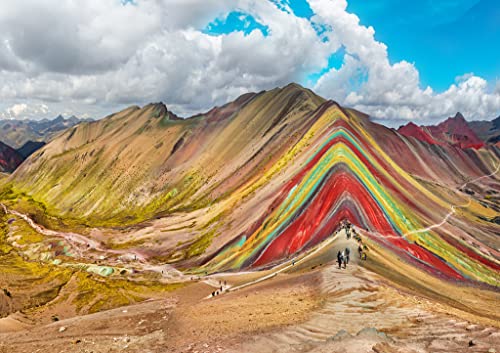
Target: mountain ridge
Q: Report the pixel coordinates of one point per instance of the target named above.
(10, 158)
(487, 130)
(454, 130)
(16, 133)
(272, 174)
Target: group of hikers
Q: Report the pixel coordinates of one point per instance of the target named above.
(343, 255)
(345, 224)
(221, 289)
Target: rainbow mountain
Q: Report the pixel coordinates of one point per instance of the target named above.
(258, 180)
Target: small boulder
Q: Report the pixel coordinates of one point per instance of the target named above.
(373, 332)
(341, 335)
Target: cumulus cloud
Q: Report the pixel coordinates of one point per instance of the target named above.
(17, 109)
(96, 56)
(369, 82)
(24, 111)
(106, 53)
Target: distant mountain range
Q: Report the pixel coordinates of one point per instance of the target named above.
(20, 138)
(16, 133)
(488, 131)
(455, 131)
(27, 136)
(29, 148)
(10, 159)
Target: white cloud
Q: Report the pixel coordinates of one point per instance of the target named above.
(100, 52)
(370, 83)
(96, 56)
(25, 111)
(17, 109)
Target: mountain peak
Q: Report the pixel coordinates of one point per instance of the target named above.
(17, 132)
(456, 122)
(413, 130)
(456, 130)
(160, 107)
(59, 119)
(295, 85)
(409, 124)
(160, 110)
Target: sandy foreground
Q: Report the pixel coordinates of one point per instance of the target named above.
(313, 306)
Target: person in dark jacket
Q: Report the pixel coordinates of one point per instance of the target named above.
(339, 259)
(347, 252)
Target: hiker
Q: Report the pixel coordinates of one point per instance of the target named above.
(347, 253)
(360, 251)
(344, 259)
(339, 259)
(293, 262)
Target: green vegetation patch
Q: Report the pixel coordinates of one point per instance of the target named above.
(26, 235)
(201, 244)
(33, 284)
(98, 294)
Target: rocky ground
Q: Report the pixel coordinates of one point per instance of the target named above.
(312, 306)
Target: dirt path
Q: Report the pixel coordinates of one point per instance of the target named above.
(311, 307)
(284, 267)
(362, 314)
(77, 241)
(82, 245)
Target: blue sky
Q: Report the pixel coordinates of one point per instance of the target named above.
(442, 38)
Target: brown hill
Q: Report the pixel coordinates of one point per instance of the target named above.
(488, 131)
(145, 161)
(10, 159)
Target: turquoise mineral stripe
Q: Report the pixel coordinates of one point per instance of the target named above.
(316, 176)
(318, 173)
